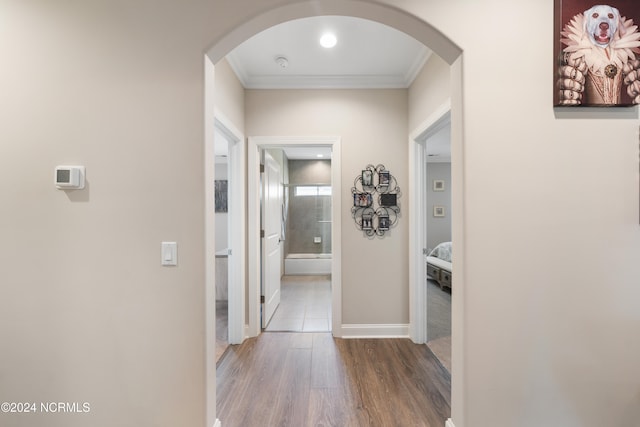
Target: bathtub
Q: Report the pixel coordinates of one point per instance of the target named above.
(307, 264)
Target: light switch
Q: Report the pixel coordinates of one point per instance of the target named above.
(169, 253)
(317, 240)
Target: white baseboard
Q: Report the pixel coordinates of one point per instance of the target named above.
(375, 331)
(449, 423)
(218, 423)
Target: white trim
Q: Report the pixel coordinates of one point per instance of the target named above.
(417, 66)
(237, 260)
(209, 241)
(350, 81)
(218, 423)
(434, 123)
(253, 152)
(375, 331)
(449, 423)
(417, 214)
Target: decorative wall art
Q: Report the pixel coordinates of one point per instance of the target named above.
(597, 51)
(220, 195)
(438, 185)
(375, 207)
(438, 211)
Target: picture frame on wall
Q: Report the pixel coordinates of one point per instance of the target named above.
(438, 185)
(388, 199)
(362, 200)
(221, 196)
(367, 222)
(384, 222)
(438, 211)
(367, 178)
(595, 51)
(384, 178)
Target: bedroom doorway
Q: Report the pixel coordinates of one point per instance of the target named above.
(430, 147)
(438, 256)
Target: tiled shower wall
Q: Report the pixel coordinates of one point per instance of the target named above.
(309, 217)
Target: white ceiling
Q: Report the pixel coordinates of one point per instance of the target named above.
(368, 55)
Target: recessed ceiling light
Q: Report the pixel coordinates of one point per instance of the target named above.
(328, 40)
(319, 156)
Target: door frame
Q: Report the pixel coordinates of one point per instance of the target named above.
(236, 226)
(418, 214)
(255, 144)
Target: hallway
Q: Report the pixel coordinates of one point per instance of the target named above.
(312, 379)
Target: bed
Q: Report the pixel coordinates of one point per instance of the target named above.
(439, 265)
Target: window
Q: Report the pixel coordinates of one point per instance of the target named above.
(313, 190)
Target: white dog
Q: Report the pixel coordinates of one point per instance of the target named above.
(600, 55)
(601, 23)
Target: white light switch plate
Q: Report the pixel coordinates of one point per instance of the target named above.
(169, 253)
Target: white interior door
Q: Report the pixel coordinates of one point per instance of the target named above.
(271, 221)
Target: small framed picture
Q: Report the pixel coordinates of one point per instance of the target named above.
(367, 178)
(221, 195)
(438, 185)
(438, 211)
(384, 178)
(388, 200)
(367, 222)
(362, 200)
(383, 222)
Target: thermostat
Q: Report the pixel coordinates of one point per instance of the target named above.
(69, 177)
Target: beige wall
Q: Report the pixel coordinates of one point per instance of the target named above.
(373, 127)
(547, 330)
(430, 90)
(229, 94)
(88, 313)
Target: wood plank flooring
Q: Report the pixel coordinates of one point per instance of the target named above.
(222, 328)
(312, 379)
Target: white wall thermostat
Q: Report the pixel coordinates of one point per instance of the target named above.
(69, 177)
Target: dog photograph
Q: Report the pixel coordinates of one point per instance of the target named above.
(597, 51)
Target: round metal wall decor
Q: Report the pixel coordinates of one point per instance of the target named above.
(375, 207)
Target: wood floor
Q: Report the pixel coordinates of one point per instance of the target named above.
(312, 379)
(439, 322)
(222, 328)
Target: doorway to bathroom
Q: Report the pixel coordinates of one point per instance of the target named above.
(305, 284)
(300, 215)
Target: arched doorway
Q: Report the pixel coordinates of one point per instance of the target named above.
(422, 32)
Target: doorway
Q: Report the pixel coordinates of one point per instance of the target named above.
(447, 50)
(438, 242)
(298, 286)
(423, 213)
(305, 235)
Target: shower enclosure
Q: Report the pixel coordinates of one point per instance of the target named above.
(308, 229)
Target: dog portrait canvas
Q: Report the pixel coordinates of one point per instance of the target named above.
(597, 53)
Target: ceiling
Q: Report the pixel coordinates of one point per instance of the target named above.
(368, 55)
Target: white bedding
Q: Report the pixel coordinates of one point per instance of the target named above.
(443, 251)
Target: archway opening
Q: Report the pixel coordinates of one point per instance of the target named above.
(402, 21)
